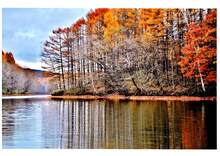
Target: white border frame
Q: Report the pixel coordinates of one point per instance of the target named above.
(111, 4)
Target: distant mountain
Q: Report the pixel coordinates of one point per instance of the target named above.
(19, 80)
(9, 58)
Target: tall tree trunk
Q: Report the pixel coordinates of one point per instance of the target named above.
(68, 68)
(61, 63)
(200, 74)
(72, 76)
(201, 78)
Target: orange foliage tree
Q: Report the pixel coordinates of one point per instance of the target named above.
(199, 53)
(151, 23)
(114, 50)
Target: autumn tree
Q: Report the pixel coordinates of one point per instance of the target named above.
(53, 55)
(199, 53)
(134, 51)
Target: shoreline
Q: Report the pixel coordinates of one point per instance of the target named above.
(135, 98)
(117, 97)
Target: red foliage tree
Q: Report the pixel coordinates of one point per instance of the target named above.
(199, 52)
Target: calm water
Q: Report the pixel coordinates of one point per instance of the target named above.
(42, 123)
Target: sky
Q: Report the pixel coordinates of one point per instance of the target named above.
(25, 30)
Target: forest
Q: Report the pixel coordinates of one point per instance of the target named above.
(17, 80)
(134, 52)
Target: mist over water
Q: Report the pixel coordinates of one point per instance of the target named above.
(43, 123)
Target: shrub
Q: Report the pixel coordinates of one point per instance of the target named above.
(59, 92)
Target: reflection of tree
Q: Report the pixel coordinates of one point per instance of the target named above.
(112, 125)
(8, 120)
(174, 115)
(193, 127)
(21, 123)
(105, 124)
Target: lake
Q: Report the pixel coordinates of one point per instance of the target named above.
(46, 123)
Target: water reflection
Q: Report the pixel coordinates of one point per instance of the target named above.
(103, 124)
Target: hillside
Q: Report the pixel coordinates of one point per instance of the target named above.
(19, 80)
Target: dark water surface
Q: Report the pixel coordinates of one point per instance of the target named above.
(42, 123)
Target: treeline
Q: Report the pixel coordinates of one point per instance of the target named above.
(135, 52)
(18, 80)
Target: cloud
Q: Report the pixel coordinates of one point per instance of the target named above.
(25, 29)
(26, 34)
